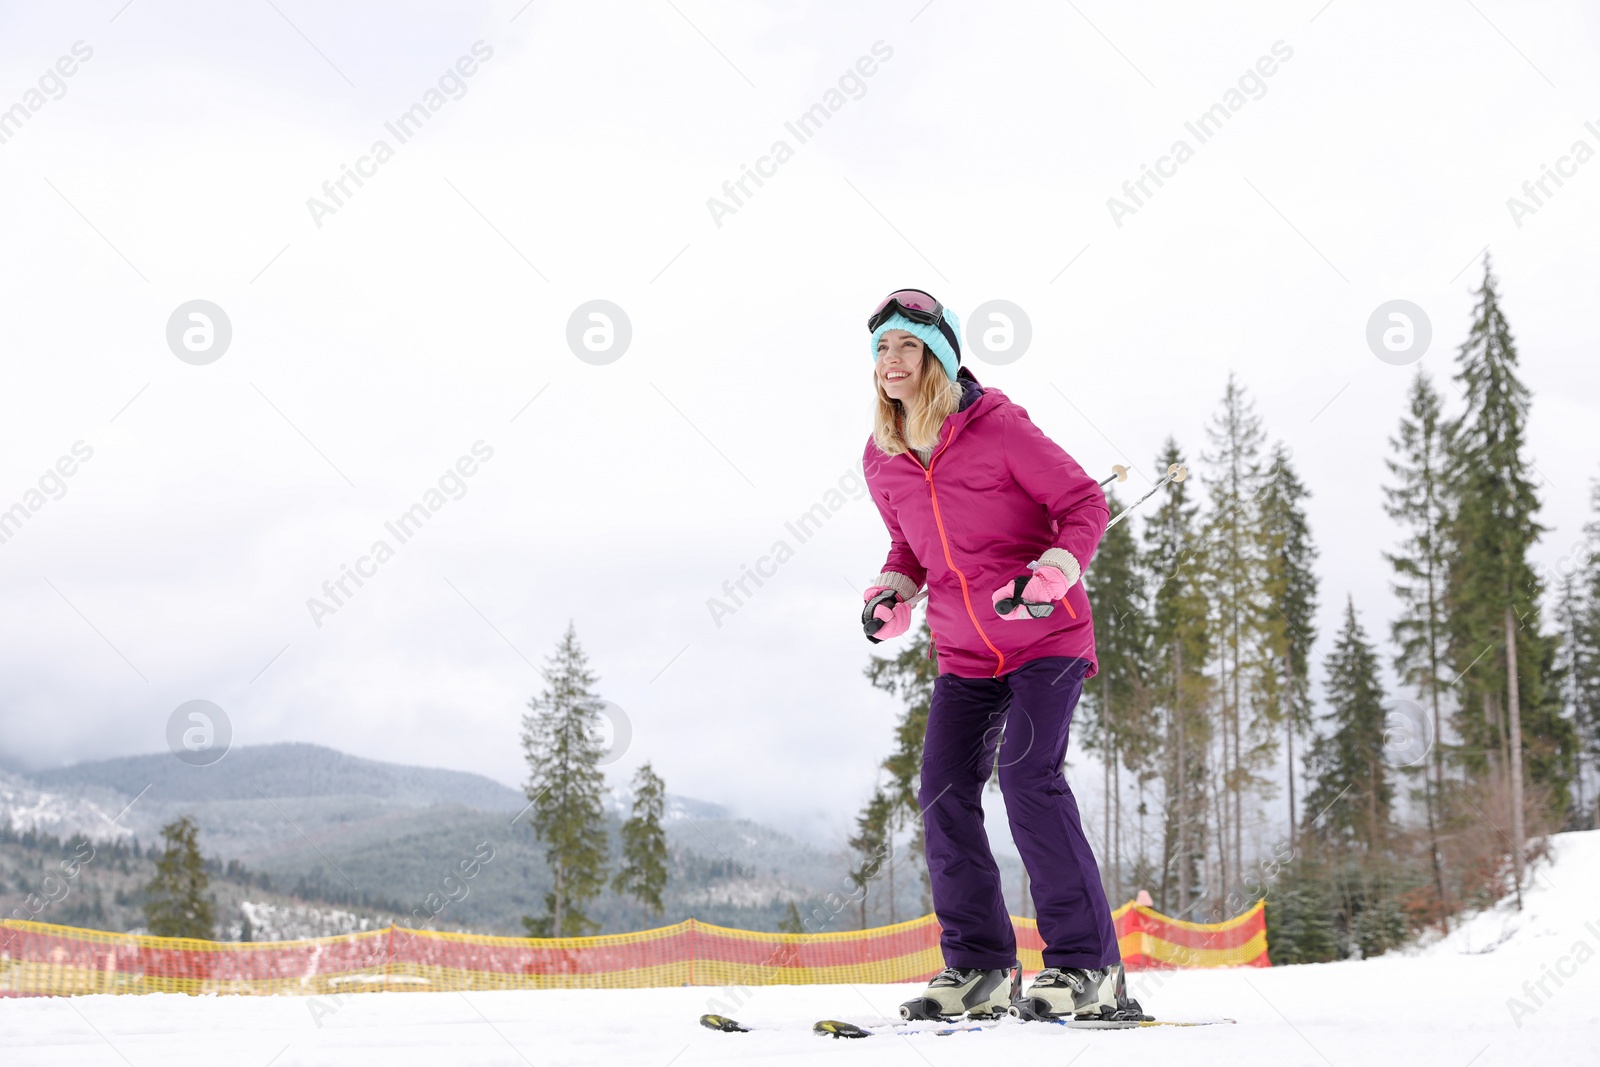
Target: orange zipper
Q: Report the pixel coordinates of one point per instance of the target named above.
(966, 595)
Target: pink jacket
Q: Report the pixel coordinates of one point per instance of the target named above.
(996, 493)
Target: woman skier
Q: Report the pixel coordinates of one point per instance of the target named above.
(999, 522)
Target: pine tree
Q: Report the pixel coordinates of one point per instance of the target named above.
(644, 844)
(1300, 927)
(871, 844)
(1419, 504)
(176, 903)
(561, 741)
(791, 923)
(909, 675)
(1237, 561)
(1380, 923)
(1352, 797)
(1178, 640)
(1120, 729)
(1506, 721)
(1292, 594)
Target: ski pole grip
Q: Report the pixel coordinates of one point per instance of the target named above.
(869, 620)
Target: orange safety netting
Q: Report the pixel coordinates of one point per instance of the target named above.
(44, 959)
(1151, 941)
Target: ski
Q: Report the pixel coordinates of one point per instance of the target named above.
(840, 1029)
(1134, 1024)
(835, 1028)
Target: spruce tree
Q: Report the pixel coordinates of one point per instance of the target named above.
(871, 845)
(176, 903)
(644, 844)
(910, 675)
(791, 923)
(562, 744)
(1179, 637)
(1494, 591)
(1352, 797)
(1292, 594)
(1421, 567)
(1237, 566)
(1380, 924)
(1117, 696)
(1300, 926)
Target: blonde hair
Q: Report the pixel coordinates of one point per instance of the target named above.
(937, 396)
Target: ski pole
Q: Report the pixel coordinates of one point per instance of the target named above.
(1119, 473)
(1175, 473)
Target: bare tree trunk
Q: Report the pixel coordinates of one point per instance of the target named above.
(1183, 778)
(891, 873)
(1491, 716)
(1288, 694)
(1220, 808)
(1116, 828)
(1105, 786)
(556, 915)
(1372, 806)
(1113, 797)
(1583, 805)
(1514, 726)
(1237, 785)
(1437, 800)
(1225, 813)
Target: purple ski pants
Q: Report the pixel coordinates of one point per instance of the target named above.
(1034, 706)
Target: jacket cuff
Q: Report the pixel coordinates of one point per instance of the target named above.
(1063, 561)
(898, 582)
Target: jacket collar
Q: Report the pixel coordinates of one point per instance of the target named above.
(970, 389)
(970, 408)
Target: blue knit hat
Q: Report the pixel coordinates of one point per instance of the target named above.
(930, 335)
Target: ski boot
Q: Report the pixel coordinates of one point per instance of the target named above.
(970, 991)
(1076, 993)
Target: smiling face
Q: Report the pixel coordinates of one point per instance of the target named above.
(899, 367)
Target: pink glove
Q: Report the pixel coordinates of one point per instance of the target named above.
(896, 620)
(1047, 586)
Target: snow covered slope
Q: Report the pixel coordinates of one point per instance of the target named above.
(1567, 889)
(24, 805)
(1452, 1004)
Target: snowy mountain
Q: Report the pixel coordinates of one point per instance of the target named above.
(353, 827)
(285, 770)
(92, 811)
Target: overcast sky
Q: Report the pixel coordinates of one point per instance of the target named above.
(381, 333)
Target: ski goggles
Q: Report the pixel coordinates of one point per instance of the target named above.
(919, 307)
(914, 304)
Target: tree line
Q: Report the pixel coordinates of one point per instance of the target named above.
(1203, 717)
(563, 746)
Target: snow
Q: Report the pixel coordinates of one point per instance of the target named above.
(25, 807)
(289, 922)
(1564, 896)
(1453, 1002)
